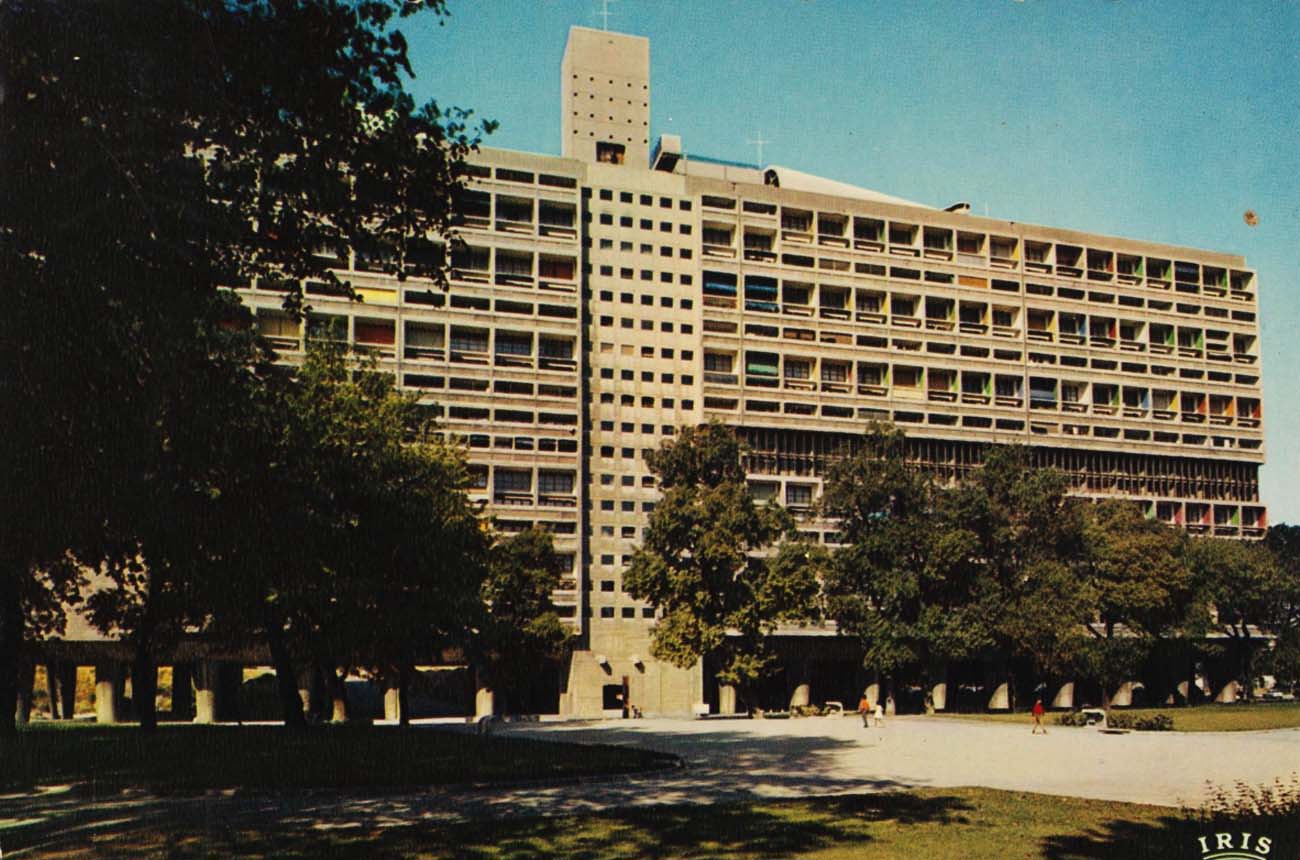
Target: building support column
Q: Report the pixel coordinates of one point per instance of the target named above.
(484, 701)
(1064, 697)
(392, 701)
(207, 692)
(1123, 695)
(110, 689)
(1000, 700)
(1228, 693)
(726, 699)
(182, 691)
(801, 696)
(308, 684)
(938, 692)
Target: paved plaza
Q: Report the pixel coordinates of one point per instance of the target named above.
(725, 760)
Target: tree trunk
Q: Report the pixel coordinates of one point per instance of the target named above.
(144, 688)
(1247, 663)
(404, 695)
(337, 687)
(286, 678)
(11, 642)
(144, 672)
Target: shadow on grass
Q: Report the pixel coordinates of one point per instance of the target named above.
(1169, 837)
(757, 831)
(187, 759)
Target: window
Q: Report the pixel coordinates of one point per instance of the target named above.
(512, 480)
(610, 153)
(798, 495)
(555, 482)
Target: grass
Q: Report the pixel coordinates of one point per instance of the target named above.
(1202, 718)
(194, 758)
(968, 823)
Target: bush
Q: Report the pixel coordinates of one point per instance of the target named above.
(1071, 718)
(1152, 723)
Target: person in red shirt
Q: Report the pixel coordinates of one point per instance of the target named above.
(1038, 717)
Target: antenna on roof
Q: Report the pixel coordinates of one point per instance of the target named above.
(759, 142)
(604, 13)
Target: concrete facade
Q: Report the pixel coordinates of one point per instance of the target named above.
(601, 302)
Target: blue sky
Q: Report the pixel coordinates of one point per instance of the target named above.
(1162, 121)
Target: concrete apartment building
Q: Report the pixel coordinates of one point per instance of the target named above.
(624, 289)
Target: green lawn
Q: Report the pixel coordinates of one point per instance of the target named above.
(967, 823)
(1202, 718)
(191, 758)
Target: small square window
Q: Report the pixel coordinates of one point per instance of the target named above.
(606, 194)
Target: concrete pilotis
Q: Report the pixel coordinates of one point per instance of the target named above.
(1001, 698)
(1064, 697)
(484, 701)
(392, 702)
(1123, 696)
(873, 693)
(308, 684)
(206, 691)
(939, 696)
(183, 691)
(1228, 693)
(110, 686)
(726, 699)
(802, 695)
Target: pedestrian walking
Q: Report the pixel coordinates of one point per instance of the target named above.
(1038, 717)
(879, 715)
(864, 708)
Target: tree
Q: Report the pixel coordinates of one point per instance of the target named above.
(1145, 590)
(522, 628)
(906, 582)
(146, 167)
(1029, 534)
(359, 543)
(1246, 587)
(1283, 660)
(702, 561)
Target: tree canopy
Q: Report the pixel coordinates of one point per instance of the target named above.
(723, 569)
(155, 154)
